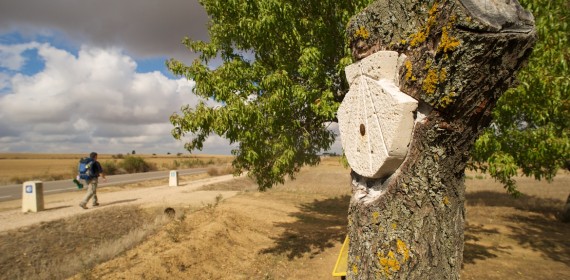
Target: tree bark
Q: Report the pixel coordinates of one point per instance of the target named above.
(461, 56)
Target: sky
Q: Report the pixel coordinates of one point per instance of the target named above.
(90, 75)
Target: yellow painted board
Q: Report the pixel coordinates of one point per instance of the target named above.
(342, 261)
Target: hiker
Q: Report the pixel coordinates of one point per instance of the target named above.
(95, 170)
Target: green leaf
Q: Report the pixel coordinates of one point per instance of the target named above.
(281, 69)
(531, 123)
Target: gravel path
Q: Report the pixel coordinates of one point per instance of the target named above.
(67, 204)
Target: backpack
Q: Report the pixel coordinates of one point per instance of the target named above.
(86, 168)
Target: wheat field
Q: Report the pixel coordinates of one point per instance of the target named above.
(19, 167)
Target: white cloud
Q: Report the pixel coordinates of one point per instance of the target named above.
(93, 101)
(4, 81)
(11, 56)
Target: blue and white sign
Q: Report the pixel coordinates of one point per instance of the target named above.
(29, 189)
(173, 180)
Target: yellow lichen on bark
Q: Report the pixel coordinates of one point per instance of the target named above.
(432, 80)
(447, 100)
(445, 200)
(418, 38)
(421, 36)
(362, 33)
(447, 43)
(354, 269)
(409, 74)
(432, 14)
(403, 249)
(392, 262)
(375, 216)
(388, 263)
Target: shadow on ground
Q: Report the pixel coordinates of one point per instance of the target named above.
(533, 224)
(322, 224)
(548, 236)
(119, 201)
(319, 225)
(545, 206)
(473, 252)
(56, 208)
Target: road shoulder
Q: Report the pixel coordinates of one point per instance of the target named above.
(59, 206)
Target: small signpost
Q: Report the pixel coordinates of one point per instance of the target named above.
(173, 179)
(32, 196)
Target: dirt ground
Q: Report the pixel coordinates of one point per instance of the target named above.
(293, 231)
(507, 238)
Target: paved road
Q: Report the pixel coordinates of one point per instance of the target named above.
(13, 192)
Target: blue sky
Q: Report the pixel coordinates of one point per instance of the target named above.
(90, 75)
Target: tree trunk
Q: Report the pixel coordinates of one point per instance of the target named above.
(461, 56)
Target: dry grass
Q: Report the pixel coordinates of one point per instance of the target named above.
(288, 232)
(62, 248)
(17, 168)
(293, 231)
(220, 170)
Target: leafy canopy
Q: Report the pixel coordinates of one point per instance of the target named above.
(279, 83)
(281, 78)
(532, 121)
